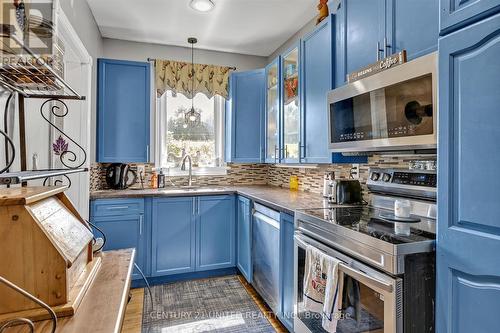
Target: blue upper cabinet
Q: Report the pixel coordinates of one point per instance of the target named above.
(215, 233)
(123, 111)
(273, 112)
(317, 79)
(412, 26)
(245, 117)
(371, 30)
(459, 13)
(290, 107)
(173, 236)
(360, 35)
(244, 233)
(468, 270)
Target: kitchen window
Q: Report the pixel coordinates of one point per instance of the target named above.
(179, 134)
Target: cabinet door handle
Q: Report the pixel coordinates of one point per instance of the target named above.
(302, 148)
(141, 223)
(194, 206)
(386, 46)
(378, 51)
(117, 207)
(147, 153)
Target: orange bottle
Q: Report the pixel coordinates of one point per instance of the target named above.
(153, 183)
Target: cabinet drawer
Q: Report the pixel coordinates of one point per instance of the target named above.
(117, 207)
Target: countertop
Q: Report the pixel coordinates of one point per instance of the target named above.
(281, 199)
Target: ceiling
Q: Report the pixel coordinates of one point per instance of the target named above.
(255, 27)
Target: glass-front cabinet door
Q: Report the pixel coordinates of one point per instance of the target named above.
(291, 107)
(273, 112)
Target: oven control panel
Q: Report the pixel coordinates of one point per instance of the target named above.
(416, 183)
(417, 179)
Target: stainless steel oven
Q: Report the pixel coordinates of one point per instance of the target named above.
(390, 111)
(378, 307)
(386, 276)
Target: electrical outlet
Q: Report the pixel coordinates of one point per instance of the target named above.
(141, 170)
(355, 171)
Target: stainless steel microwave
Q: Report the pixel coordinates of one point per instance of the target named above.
(395, 110)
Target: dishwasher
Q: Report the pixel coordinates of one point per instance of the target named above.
(265, 254)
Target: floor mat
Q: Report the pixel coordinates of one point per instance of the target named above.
(209, 305)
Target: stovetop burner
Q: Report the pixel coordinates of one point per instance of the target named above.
(370, 221)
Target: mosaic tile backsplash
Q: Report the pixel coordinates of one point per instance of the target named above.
(237, 174)
(310, 179)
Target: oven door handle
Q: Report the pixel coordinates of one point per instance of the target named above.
(365, 278)
(342, 248)
(357, 274)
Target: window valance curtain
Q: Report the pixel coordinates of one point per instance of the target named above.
(176, 76)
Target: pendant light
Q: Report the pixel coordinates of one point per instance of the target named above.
(192, 118)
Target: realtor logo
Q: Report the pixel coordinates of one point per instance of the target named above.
(29, 22)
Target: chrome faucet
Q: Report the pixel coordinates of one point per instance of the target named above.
(183, 168)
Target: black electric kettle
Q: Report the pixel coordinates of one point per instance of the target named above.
(119, 176)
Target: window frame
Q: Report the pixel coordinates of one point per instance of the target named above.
(160, 112)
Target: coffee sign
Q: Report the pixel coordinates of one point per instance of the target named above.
(379, 66)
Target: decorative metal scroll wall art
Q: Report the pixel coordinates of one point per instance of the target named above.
(67, 157)
(9, 160)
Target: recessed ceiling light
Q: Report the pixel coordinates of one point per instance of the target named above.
(202, 5)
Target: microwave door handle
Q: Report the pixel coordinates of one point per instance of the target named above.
(365, 278)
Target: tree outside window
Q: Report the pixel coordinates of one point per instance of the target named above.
(178, 136)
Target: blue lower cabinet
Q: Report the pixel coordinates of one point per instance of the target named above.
(215, 233)
(122, 232)
(125, 224)
(287, 271)
(173, 236)
(244, 237)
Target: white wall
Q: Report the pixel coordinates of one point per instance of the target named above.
(126, 50)
(81, 18)
(310, 26)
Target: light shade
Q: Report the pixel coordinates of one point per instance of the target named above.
(202, 5)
